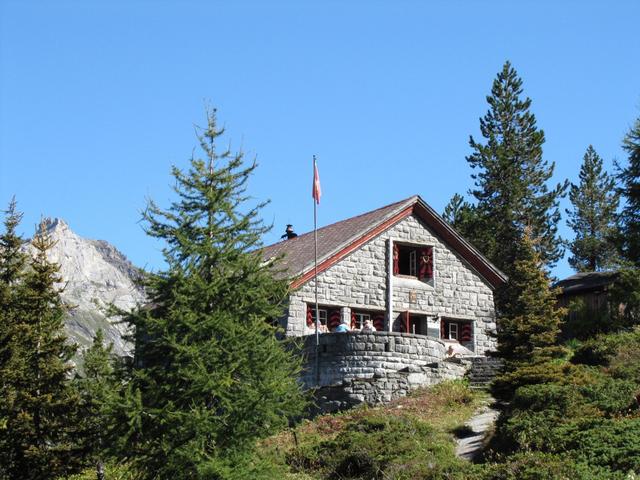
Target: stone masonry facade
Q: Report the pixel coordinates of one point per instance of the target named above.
(361, 280)
(352, 368)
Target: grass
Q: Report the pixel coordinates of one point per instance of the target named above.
(409, 438)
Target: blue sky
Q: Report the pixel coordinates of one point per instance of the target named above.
(98, 99)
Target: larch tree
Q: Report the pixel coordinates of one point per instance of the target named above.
(629, 180)
(593, 216)
(209, 375)
(511, 179)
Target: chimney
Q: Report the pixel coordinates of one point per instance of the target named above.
(289, 233)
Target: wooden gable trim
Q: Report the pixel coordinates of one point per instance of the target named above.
(444, 231)
(332, 260)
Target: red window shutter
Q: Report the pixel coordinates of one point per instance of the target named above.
(334, 318)
(443, 329)
(425, 268)
(309, 316)
(353, 319)
(378, 322)
(405, 324)
(396, 259)
(465, 336)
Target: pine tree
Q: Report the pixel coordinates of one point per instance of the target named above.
(629, 179)
(38, 439)
(511, 181)
(529, 330)
(593, 217)
(460, 215)
(209, 377)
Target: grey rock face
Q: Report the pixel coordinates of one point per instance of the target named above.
(95, 275)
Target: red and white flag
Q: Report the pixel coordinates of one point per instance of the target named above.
(316, 193)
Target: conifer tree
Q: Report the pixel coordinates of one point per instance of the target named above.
(511, 178)
(629, 180)
(529, 331)
(12, 266)
(593, 217)
(460, 215)
(210, 377)
(38, 436)
(99, 388)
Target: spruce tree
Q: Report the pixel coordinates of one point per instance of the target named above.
(511, 178)
(593, 216)
(38, 437)
(629, 180)
(210, 377)
(12, 268)
(529, 332)
(99, 387)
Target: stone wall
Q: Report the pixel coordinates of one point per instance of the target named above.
(373, 368)
(360, 281)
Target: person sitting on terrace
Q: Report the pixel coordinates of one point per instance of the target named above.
(368, 326)
(342, 328)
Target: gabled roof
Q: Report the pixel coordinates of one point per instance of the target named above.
(339, 239)
(586, 282)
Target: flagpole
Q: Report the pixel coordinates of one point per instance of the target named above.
(315, 254)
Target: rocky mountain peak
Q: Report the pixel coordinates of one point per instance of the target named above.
(94, 275)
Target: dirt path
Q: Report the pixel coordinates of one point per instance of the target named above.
(470, 441)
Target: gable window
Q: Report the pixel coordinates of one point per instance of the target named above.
(413, 261)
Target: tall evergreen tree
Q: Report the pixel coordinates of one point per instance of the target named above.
(38, 436)
(210, 377)
(629, 179)
(530, 329)
(460, 214)
(593, 216)
(99, 388)
(12, 268)
(511, 189)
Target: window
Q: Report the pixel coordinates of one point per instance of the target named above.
(413, 261)
(460, 330)
(453, 331)
(358, 319)
(329, 317)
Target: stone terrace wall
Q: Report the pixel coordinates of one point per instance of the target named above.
(374, 367)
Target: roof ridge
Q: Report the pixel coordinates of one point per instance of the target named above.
(302, 235)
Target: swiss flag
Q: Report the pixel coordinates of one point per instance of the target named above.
(316, 193)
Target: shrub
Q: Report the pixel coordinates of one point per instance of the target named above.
(544, 466)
